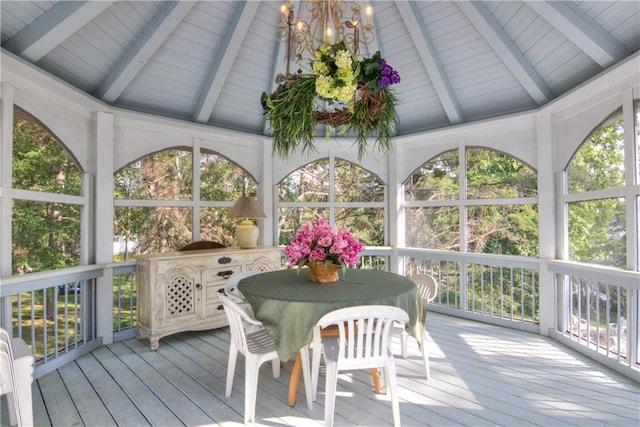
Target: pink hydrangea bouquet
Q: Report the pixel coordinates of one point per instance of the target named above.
(320, 243)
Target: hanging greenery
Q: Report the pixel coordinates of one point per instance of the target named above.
(342, 93)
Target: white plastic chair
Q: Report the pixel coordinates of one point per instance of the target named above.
(427, 290)
(362, 343)
(231, 285)
(257, 347)
(16, 376)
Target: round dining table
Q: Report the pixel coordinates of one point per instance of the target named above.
(289, 304)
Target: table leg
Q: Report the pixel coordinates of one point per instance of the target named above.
(294, 380)
(375, 378)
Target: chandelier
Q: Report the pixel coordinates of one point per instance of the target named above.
(340, 90)
(329, 22)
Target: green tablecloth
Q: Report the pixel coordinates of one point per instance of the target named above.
(289, 304)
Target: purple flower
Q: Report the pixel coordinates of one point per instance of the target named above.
(384, 82)
(387, 76)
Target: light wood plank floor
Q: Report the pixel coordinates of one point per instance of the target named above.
(482, 375)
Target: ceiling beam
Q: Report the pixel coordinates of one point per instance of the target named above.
(142, 50)
(482, 19)
(53, 27)
(430, 59)
(578, 27)
(240, 22)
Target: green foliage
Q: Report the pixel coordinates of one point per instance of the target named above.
(292, 110)
(352, 184)
(291, 115)
(45, 235)
(492, 228)
(382, 123)
(597, 228)
(597, 232)
(167, 175)
(370, 69)
(599, 163)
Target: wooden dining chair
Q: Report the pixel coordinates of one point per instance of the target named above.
(427, 291)
(363, 342)
(257, 347)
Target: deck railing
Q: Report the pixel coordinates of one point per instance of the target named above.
(597, 307)
(125, 297)
(496, 289)
(600, 315)
(54, 312)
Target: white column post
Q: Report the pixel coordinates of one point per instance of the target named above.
(265, 197)
(104, 160)
(395, 212)
(6, 148)
(546, 219)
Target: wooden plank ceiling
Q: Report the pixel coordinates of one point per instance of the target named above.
(209, 61)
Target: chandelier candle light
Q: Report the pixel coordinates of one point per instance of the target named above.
(340, 89)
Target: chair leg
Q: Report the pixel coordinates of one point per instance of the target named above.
(306, 374)
(250, 389)
(331, 384)
(315, 371)
(392, 388)
(403, 340)
(425, 360)
(231, 367)
(275, 368)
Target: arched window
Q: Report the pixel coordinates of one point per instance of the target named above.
(350, 197)
(45, 225)
(596, 205)
(157, 203)
(493, 210)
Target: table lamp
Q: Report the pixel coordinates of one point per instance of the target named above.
(247, 232)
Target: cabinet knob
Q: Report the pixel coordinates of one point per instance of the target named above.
(198, 286)
(220, 307)
(224, 260)
(221, 291)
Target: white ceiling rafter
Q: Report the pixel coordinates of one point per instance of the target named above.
(142, 50)
(482, 19)
(221, 67)
(53, 27)
(578, 27)
(429, 56)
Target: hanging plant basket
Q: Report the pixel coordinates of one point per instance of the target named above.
(292, 109)
(333, 118)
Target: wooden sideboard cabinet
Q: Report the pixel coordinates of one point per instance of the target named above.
(177, 291)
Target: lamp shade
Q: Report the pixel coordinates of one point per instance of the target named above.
(246, 207)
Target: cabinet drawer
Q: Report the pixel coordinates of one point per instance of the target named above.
(220, 275)
(215, 312)
(212, 293)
